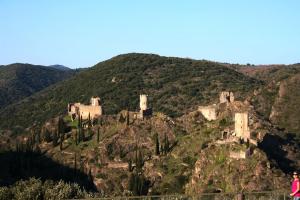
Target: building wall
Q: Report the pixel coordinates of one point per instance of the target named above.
(94, 110)
(85, 110)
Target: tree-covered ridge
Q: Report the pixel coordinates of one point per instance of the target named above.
(174, 85)
(18, 81)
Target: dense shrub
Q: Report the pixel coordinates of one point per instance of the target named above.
(35, 189)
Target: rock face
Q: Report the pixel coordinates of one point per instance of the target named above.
(285, 110)
(216, 171)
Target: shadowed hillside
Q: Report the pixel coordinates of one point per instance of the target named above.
(17, 166)
(18, 81)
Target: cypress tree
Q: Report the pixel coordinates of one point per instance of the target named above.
(166, 144)
(140, 162)
(75, 164)
(79, 123)
(60, 125)
(156, 144)
(82, 134)
(162, 150)
(76, 137)
(61, 141)
(90, 177)
(122, 118)
(81, 164)
(131, 183)
(79, 135)
(127, 117)
(39, 136)
(55, 138)
(89, 121)
(130, 165)
(98, 134)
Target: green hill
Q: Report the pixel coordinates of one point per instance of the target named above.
(18, 81)
(174, 86)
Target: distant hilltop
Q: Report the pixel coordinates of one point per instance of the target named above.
(60, 67)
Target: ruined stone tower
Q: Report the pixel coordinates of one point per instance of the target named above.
(144, 110)
(226, 97)
(143, 102)
(95, 101)
(241, 127)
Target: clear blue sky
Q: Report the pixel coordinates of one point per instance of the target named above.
(81, 33)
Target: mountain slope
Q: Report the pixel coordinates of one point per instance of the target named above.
(18, 81)
(174, 86)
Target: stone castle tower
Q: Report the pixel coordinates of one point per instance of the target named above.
(143, 102)
(144, 110)
(241, 126)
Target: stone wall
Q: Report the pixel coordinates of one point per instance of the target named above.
(94, 109)
(86, 110)
(240, 154)
(209, 112)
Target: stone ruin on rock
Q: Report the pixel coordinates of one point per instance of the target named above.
(210, 112)
(93, 110)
